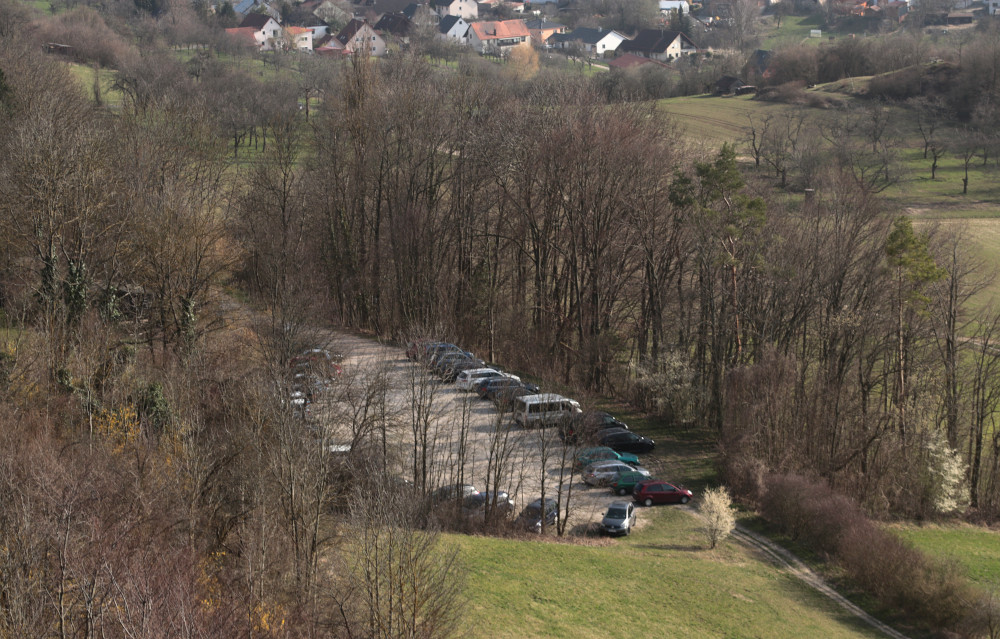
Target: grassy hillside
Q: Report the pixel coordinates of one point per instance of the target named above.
(659, 582)
(976, 549)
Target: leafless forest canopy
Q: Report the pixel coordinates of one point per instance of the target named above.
(162, 262)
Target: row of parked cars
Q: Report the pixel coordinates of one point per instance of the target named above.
(610, 460)
(312, 373)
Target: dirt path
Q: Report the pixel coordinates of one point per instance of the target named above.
(794, 566)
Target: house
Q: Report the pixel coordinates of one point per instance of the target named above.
(299, 38)
(266, 29)
(757, 66)
(375, 8)
(331, 47)
(467, 9)
(632, 61)
(359, 37)
(246, 35)
(659, 44)
(896, 10)
(421, 15)
(454, 28)
(595, 42)
(244, 7)
(956, 18)
(994, 6)
(541, 29)
(395, 24)
(728, 84)
(497, 37)
(332, 13)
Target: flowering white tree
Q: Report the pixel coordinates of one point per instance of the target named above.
(720, 519)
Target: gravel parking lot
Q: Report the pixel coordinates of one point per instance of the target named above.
(460, 426)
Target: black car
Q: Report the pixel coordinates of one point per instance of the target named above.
(504, 398)
(590, 425)
(531, 517)
(488, 387)
(445, 363)
(625, 441)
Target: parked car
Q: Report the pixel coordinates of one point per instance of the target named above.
(317, 361)
(505, 398)
(626, 481)
(443, 352)
(625, 441)
(479, 502)
(546, 409)
(444, 363)
(432, 349)
(619, 518)
(604, 473)
(451, 491)
(468, 379)
(452, 366)
(588, 456)
(589, 425)
(654, 491)
(486, 389)
(451, 373)
(531, 517)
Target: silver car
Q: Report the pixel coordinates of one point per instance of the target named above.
(619, 518)
(606, 472)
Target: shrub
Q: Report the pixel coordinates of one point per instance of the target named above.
(720, 519)
(897, 575)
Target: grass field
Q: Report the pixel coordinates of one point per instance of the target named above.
(85, 76)
(659, 582)
(794, 30)
(974, 548)
(714, 120)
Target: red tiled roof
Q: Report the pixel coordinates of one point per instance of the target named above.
(247, 34)
(629, 60)
(500, 30)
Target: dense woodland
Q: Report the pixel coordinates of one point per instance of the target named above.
(162, 260)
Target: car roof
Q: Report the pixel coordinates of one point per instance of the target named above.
(542, 397)
(619, 504)
(474, 371)
(609, 462)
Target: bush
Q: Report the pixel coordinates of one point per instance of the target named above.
(720, 519)
(897, 575)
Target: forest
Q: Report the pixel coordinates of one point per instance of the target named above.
(163, 260)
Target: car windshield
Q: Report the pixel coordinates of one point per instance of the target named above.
(616, 513)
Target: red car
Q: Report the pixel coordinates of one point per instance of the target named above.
(653, 491)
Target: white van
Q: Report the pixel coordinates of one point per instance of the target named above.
(546, 409)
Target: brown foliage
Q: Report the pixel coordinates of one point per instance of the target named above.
(86, 31)
(898, 576)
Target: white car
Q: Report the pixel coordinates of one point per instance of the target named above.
(603, 473)
(468, 380)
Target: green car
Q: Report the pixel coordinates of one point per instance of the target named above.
(626, 482)
(588, 456)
